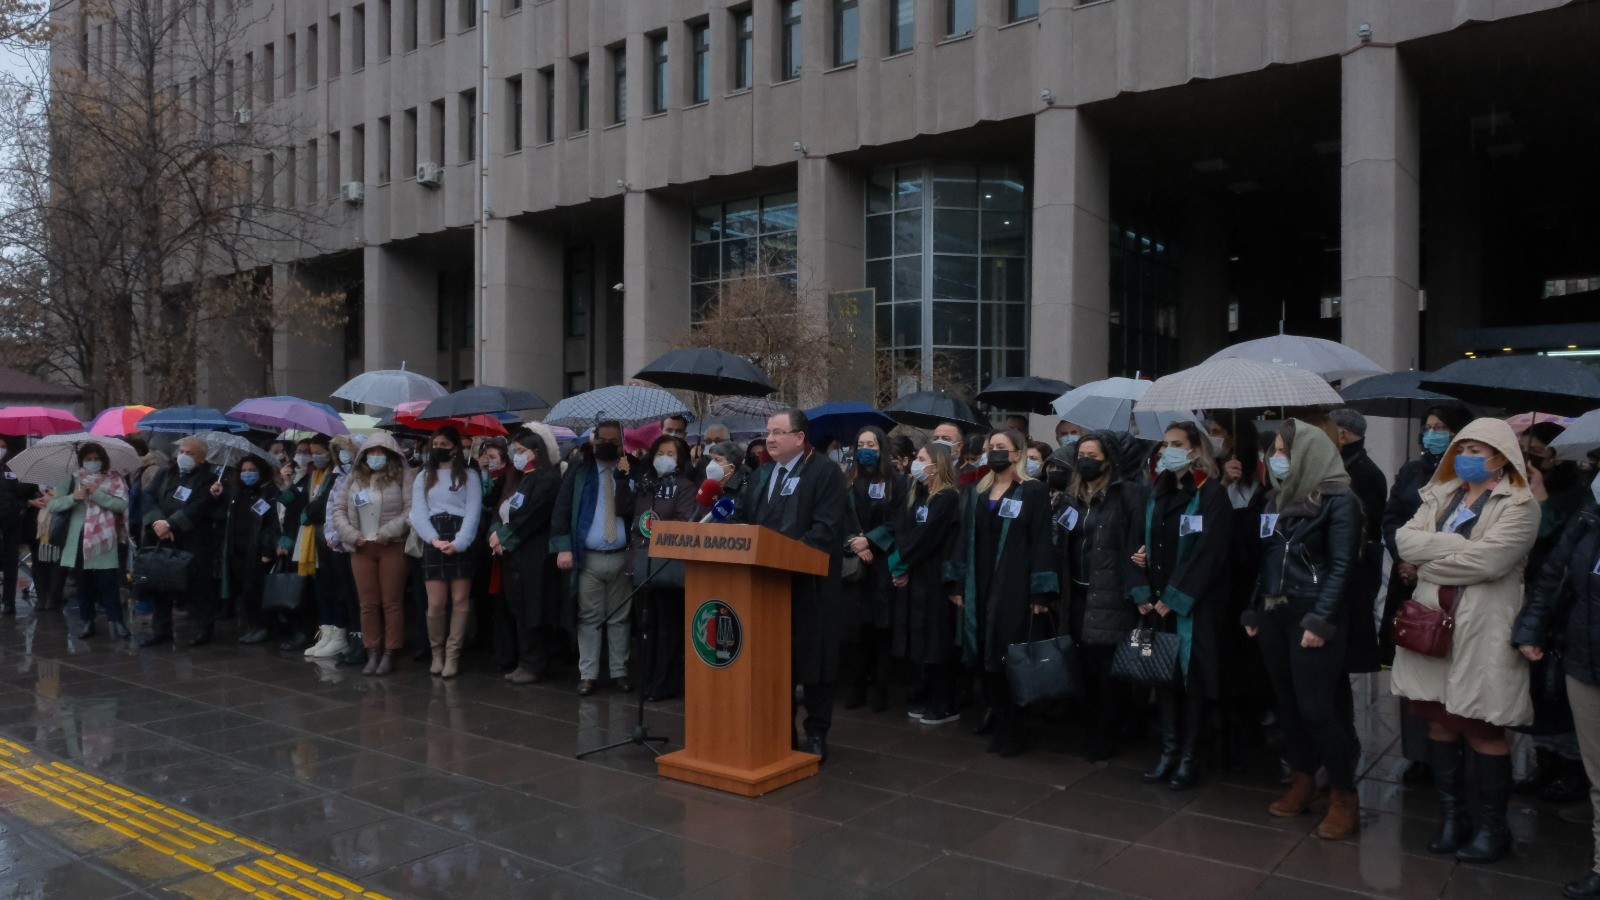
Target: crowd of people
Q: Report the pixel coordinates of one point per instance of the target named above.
(1256, 553)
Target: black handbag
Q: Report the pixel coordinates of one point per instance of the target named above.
(1147, 656)
(1042, 670)
(163, 568)
(60, 527)
(282, 591)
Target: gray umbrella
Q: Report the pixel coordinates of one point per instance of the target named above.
(629, 404)
(1581, 438)
(389, 388)
(1237, 384)
(1392, 396)
(1544, 383)
(1329, 359)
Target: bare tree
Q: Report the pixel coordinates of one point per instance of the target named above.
(139, 208)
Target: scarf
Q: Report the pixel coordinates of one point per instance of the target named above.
(305, 548)
(1315, 468)
(103, 529)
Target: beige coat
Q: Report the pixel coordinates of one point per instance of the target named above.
(396, 495)
(1484, 677)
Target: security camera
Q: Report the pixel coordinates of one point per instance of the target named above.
(1046, 96)
(800, 148)
(622, 185)
(1364, 32)
(617, 287)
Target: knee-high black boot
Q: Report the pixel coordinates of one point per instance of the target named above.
(1167, 705)
(1445, 758)
(1492, 837)
(1187, 774)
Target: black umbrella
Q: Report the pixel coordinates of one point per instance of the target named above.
(1029, 392)
(708, 370)
(929, 409)
(1545, 383)
(480, 400)
(1393, 396)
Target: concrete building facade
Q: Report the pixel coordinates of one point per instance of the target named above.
(1052, 187)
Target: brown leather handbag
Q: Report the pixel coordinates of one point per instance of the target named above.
(1425, 630)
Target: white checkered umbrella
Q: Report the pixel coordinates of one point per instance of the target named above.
(1233, 383)
(1331, 360)
(629, 404)
(55, 456)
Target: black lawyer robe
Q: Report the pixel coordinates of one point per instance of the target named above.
(925, 533)
(1004, 567)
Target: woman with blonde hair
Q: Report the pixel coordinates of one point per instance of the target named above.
(1470, 542)
(1005, 575)
(372, 519)
(924, 627)
(1186, 586)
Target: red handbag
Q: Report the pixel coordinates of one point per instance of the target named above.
(1425, 630)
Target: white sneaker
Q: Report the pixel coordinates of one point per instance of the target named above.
(322, 638)
(334, 646)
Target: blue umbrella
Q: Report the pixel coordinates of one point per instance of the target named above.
(842, 420)
(191, 420)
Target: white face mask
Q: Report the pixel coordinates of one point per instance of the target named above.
(302, 459)
(920, 470)
(1032, 467)
(521, 460)
(186, 463)
(1594, 488)
(715, 471)
(666, 465)
(3, 452)
(376, 461)
(1217, 444)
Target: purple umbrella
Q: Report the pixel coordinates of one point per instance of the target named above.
(290, 412)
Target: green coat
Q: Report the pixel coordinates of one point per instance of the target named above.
(63, 502)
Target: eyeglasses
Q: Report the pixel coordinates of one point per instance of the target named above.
(779, 433)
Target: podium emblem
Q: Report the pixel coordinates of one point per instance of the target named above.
(718, 637)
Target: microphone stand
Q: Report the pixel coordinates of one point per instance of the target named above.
(641, 732)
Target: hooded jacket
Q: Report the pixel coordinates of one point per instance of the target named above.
(1484, 677)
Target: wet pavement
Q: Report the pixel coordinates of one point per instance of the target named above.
(410, 786)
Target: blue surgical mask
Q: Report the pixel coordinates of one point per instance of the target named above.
(376, 461)
(1067, 440)
(345, 458)
(867, 456)
(1436, 442)
(1279, 467)
(320, 460)
(1172, 459)
(1472, 469)
(250, 477)
(1032, 467)
(93, 466)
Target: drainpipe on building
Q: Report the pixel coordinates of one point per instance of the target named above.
(481, 313)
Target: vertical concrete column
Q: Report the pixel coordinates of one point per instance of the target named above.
(522, 331)
(305, 364)
(1380, 202)
(1202, 283)
(831, 257)
(1454, 236)
(1071, 289)
(655, 269)
(402, 310)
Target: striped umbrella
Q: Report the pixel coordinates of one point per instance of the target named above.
(119, 421)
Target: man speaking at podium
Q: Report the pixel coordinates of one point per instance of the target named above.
(801, 494)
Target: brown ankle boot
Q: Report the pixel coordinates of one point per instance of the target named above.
(452, 646)
(1302, 788)
(436, 628)
(1343, 818)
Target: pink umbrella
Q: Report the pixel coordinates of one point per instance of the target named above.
(37, 420)
(118, 421)
(1522, 421)
(637, 440)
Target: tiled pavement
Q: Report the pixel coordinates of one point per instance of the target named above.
(415, 787)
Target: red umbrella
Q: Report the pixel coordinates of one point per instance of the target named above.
(405, 415)
(118, 421)
(37, 420)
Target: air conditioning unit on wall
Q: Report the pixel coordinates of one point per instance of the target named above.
(353, 192)
(428, 174)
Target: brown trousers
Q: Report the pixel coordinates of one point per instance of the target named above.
(380, 575)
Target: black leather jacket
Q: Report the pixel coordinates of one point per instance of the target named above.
(1310, 558)
(1562, 610)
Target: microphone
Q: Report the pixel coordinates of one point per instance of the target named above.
(721, 510)
(710, 490)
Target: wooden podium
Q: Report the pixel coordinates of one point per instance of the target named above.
(738, 684)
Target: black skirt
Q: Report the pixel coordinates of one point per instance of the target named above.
(436, 566)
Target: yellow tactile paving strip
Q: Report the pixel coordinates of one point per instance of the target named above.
(247, 867)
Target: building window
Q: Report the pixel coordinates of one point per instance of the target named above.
(1144, 302)
(269, 75)
(947, 257)
(547, 81)
(291, 77)
(1017, 10)
(793, 51)
(334, 142)
(409, 29)
(468, 110)
(358, 153)
(902, 25)
(385, 24)
(247, 95)
(750, 238)
(700, 40)
(579, 290)
(513, 114)
(436, 131)
(513, 5)
(658, 74)
(385, 147)
(619, 85)
(335, 35)
(846, 31)
(436, 21)
(358, 37)
(581, 79)
(311, 56)
(469, 14)
(409, 139)
(744, 49)
(958, 18)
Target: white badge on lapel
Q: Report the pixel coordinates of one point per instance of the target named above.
(516, 500)
(363, 499)
(789, 485)
(1010, 509)
(1269, 524)
(182, 493)
(1068, 519)
(261, 507)
(922, 515)
(1188, 525)
(10, 475)
(875, 491)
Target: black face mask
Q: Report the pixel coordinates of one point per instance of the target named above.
(1057, 479)
(999, 460)
(1091, 469)
(606, 452)
(442, 455)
